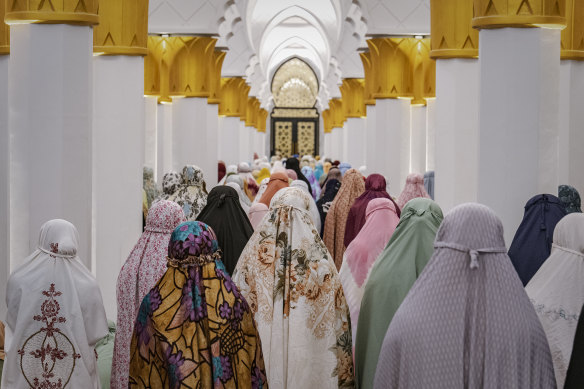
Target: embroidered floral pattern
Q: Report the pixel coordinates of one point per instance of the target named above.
(49, 348)
(190, 194)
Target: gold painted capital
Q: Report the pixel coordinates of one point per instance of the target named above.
(337, 114)
(190, 71)
(452, 32)
(233, 102)
(369, 85)
(390, 60)
(77, 12)
(262, 119)
(573, 34)
(352, 92)
(327, 121)
(122, 29)
(423, 71)
(4, 31)
(519, 13)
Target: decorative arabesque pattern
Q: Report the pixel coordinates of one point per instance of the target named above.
(295, 85)
(283, 138)
(306, 138)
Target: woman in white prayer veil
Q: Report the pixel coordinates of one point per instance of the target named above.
(231, 169)
(557, 291)
(55, 316)
(314, 215)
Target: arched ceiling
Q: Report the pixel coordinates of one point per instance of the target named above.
(261, 35)
(295, 85)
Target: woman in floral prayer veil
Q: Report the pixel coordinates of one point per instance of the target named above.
(191, 194)
(293, 288)
(194, 329)
(143, 268)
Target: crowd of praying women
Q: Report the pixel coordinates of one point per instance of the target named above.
(307, 273)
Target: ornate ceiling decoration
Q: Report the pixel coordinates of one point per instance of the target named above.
(295, 85)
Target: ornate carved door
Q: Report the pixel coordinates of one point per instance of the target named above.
(294, 135)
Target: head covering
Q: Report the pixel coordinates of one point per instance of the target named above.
(291, 174)
(55, 308)
(324, 203)
(292, 163)
(469, 305)
(532, 243)
(243, 200)
(170, 184)
(314, 187)
(391, 277)
(557, 290)
(314, 215)
(326, 167)
(224, 214)
(261, 190)
(250, 186)
(333, 174)
(570, 198)
(264, 173)
(149, 185)
(257, 213)
(221, 170)
(381, 220)
(336, 221)
(575, 376)
(194, 329)
(318, 170)
(191, 195)
(414, 188)
(143, 268)
(374, 188)
(344, 167)
(288, 277)
(278, 167)
(336, 163)
(231, 169)
(277, 182)
(429, 183)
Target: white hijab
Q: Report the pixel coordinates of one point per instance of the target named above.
(231, 169)
(314, 214)
(557, 291)
(243, 200)
(53, 301)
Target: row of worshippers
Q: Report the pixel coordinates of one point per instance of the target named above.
(420, 300)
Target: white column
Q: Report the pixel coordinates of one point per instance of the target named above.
(391, 147)
(4, 185)
(344, 143)
(356, 136)
(250, 135)
(212, 145)
(164, 160)
(430, 133)
(50, 97)
(371, 158)
(118, 157)
(244, 155)
(456, 134)
(418, 139)
(150, 135)
(192, 122)
(337, 144)
(229, 140)
(327, 144)
(571, 131)
(518, 123)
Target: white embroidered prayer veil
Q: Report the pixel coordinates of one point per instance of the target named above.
(55, 316)
(557, 291)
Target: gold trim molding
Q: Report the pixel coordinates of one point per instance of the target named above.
(4, 31)
(573, 34)
(451, 30)
(519, 13)
(122, 29)
(77, 12)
